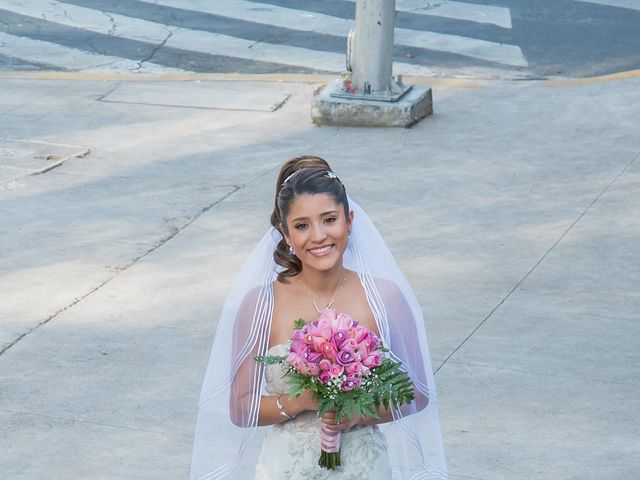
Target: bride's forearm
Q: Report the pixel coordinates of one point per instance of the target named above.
(276, 409)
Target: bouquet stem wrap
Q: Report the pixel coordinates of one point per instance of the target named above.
(330, 446)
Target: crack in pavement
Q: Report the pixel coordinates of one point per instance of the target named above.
(234, 189)
(545, 255)
(114, 27)
(60, 6)
(155, 49)
(126, 267)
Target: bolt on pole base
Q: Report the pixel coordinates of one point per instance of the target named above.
(331, 106)
(392, 95)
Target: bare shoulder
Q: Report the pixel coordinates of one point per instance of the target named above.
(388, 289)
(397, 304)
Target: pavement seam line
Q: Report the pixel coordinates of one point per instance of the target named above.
(87, 422)
(543, 374)
(515, 287)
(235, 188)
(51, 317)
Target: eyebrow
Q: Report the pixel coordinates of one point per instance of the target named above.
(330, 212)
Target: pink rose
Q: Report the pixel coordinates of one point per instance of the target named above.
(293, 358)
(324, 364)
(338, 321)
(314, 335)
(354, 369)
(350, 383)
(328, 351)
(298, 345)
(309, 369)
(295, 361)
(329, 315)
(361, 333)
(301, 366)
(374, 341)
(350, 343)
(311, 357)
(324, 327)
(373, 360)
(339, 337)
(343, 322)
(346, 356)
(362, 351)
(324, 377)
(336, 370)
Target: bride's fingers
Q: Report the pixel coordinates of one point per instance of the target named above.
(331, 422)
(335, 426)
(329, 418)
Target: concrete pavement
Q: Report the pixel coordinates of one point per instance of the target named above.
(513, 210)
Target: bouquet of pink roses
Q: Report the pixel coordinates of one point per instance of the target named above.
(342, 362)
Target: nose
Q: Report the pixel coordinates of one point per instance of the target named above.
(317, 233)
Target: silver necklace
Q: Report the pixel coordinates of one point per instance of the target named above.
(335, 294)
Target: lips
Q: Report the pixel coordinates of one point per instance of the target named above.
(321, 251)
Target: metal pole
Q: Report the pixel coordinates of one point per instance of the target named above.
(367, 95)
(371, 49)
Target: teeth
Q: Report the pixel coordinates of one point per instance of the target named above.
(320, 250)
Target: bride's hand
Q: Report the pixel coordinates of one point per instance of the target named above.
(329, 420)
(307, 402)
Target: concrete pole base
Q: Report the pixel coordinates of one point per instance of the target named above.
(416, 104)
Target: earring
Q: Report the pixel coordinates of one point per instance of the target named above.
(291, 250)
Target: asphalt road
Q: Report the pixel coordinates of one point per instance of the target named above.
(478, 38)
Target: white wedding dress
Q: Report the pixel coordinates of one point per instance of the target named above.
(291, 449)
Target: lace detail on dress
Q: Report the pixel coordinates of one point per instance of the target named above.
(291, 449)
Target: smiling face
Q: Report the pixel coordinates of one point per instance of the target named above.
(318, 231)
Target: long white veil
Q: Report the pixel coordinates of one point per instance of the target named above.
(227, 439)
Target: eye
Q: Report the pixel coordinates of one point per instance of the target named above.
(330, 219)
(300, 226)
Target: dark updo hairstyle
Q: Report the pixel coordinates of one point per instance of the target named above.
(303, 175)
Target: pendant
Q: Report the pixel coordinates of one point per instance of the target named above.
(328, 305)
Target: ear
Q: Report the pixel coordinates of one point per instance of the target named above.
(350, 220)
(283, 232)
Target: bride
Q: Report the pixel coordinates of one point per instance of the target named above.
(321, 252)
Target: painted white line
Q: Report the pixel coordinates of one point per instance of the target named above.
(47, 53)
(89, 19)
(198, 41)
(470, 12)
(630, 4)
(218, 44)
(470, 47)
(190, 40)
(314, 22)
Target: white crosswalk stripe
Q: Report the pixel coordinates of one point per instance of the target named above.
(470, 12)
(192, 40)
(630, 4)
(131, 28)
(54, 55)
(186, 39)
(317, 22)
